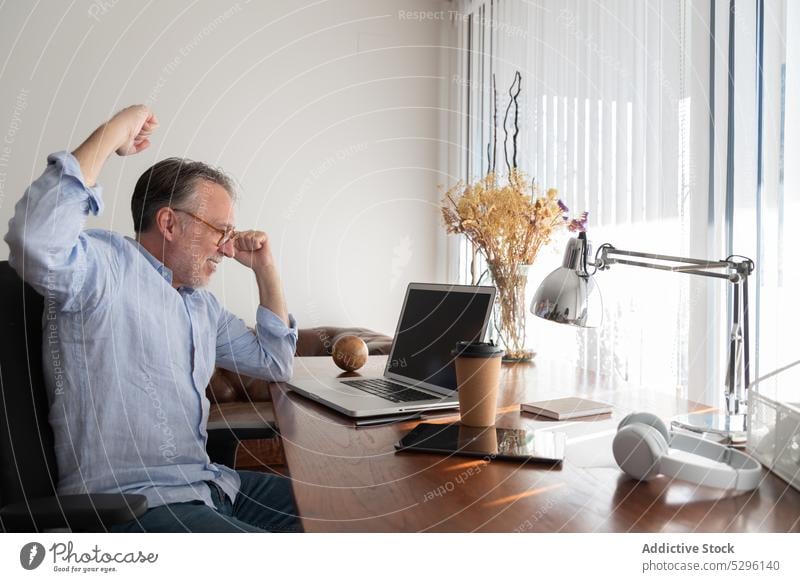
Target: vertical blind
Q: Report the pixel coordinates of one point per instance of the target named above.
(768, 200)
(672, 123)
(605, 116)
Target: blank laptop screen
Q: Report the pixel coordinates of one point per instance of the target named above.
(432, 322)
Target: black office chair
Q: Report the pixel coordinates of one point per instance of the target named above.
(28, 471)
(28, 476)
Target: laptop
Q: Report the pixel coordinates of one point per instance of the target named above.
(420, 372)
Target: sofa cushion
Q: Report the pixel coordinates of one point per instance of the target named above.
(318, 341)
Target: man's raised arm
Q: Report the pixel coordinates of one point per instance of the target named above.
(45, 236)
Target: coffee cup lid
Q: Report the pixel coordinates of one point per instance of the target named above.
(477, 350)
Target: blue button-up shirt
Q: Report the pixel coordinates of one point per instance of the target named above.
(127, 357)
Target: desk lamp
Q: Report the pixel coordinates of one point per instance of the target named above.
(570, 295)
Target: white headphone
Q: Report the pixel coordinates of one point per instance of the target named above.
(641, 449)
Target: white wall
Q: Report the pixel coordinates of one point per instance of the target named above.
(326, 112)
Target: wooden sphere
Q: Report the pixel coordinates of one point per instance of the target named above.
(350, 352)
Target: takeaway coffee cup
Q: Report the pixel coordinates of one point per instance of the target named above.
(478, 378)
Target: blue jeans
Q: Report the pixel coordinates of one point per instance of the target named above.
(264, 504)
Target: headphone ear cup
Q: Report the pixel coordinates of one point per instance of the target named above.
(647, 418)
(638, 449)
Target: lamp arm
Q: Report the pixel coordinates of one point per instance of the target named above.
(608, 255)
(738, 269)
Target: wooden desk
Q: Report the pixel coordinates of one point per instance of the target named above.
(348, 479)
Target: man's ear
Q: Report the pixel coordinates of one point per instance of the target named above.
(167, 223)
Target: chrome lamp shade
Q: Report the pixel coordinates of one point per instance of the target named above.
(568, 294)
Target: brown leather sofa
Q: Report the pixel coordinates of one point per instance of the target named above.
(244, 402)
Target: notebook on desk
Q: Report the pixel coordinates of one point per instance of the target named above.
(420, 372)
(566, 408)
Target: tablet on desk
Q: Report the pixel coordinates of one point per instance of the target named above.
(540, 446)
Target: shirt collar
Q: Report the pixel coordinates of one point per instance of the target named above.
(162, 269)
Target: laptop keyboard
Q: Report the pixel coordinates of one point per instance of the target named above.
(389, 390)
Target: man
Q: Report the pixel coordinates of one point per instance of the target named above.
(131, 339)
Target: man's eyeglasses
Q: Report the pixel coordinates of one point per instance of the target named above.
(226, 235)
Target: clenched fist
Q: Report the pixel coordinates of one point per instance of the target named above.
(134, 125)
(128, 132)
(252, 249)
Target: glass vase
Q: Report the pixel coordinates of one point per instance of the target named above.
(511, 311)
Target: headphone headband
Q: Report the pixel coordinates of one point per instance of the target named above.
(742, 474)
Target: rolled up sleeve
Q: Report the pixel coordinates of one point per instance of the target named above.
(266, 353)
(47, 245)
